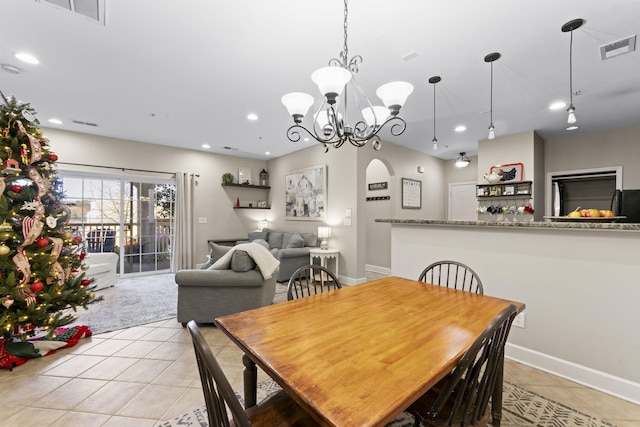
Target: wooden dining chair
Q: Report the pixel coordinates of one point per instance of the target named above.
(452, 274)
(311, 280)
(461, 398)
(276, 410)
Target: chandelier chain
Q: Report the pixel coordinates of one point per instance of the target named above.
(345, 48)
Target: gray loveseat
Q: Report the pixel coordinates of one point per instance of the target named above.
(205, 294)
(291, 249)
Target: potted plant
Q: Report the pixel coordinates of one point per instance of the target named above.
(227, 178)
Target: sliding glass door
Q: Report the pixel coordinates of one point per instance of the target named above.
(132, 217)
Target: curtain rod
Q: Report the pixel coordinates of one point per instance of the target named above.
(122, 169)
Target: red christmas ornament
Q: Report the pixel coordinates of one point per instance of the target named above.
(16, 188)
(82, 255)
(53, 157)
(85, 282)
(37, 286)
(42, 242)
(77, 239)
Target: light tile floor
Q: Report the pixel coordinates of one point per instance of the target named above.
(141, 375)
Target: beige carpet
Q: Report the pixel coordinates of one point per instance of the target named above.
(521, 408)
(131, 302)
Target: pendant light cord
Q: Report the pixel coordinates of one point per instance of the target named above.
(571, 69)
(491, 98)
(434, 112)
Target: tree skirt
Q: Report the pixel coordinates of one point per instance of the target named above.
(16, 353)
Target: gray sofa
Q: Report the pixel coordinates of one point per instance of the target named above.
(205, 294)
(291, 249)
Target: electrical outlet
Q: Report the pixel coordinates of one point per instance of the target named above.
(519, 320)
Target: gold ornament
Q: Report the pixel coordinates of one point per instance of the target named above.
(84, 267)
(4, 249)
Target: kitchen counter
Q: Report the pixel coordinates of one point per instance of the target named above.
(564, 225)
(579, 281)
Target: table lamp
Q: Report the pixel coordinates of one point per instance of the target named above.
(324, 233)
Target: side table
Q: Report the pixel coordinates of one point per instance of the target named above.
(325, 255)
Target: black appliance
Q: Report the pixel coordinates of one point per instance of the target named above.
(627, 203)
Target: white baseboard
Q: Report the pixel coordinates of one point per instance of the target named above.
(601, 381)
(377, 269)
(351, 280)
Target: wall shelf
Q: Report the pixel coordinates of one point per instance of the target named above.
(250, 187)
(263, 187)
(521, 189)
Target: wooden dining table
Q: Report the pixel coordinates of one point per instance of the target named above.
(360, 355)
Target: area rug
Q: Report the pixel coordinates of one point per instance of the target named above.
(521, 408)
(131, 302)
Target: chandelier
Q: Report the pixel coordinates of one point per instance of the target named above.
(337, 83)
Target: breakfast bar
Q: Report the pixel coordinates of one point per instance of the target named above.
(579, 280)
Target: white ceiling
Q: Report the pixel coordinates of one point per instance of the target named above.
(184, 73)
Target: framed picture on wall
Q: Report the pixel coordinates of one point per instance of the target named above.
(306, 194)
(411, 193)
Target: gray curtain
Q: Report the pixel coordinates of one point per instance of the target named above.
(184, 247)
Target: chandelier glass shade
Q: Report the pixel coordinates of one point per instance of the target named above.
(568, 28)
(335, 121)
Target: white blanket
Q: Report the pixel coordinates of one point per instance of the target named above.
(264, 259)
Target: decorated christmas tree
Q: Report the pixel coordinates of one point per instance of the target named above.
(41, 268)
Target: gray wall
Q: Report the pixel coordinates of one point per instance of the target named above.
(620, 147)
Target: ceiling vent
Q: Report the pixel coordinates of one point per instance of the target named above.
(78, 122)
(617, 48)
(92, 9)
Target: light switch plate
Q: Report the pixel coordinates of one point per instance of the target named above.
(202, 220)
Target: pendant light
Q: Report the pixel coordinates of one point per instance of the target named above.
(434, 80)
(462, 161)
(491, 58)
(568, 28)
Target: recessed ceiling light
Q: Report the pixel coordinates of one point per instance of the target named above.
(557, 105)
(268, 153)
(12, 69)
(205, 146)
(460, 128)
(27, 57)
(252, 116)
(55, 121)
(572, 127)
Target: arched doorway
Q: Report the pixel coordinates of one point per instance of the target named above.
(378, 205)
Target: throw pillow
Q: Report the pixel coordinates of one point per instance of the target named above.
(216, 253)
(275, 239)
(262, 242)
(310, 239)
(255, 235)
(285, 239)
(241, 262)
(296, 241)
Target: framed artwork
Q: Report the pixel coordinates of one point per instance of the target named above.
(511, 172)
(306, 194)
(244, 176)
(411, 193)
(262, 203)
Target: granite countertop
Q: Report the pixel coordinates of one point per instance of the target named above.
(577, 225)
